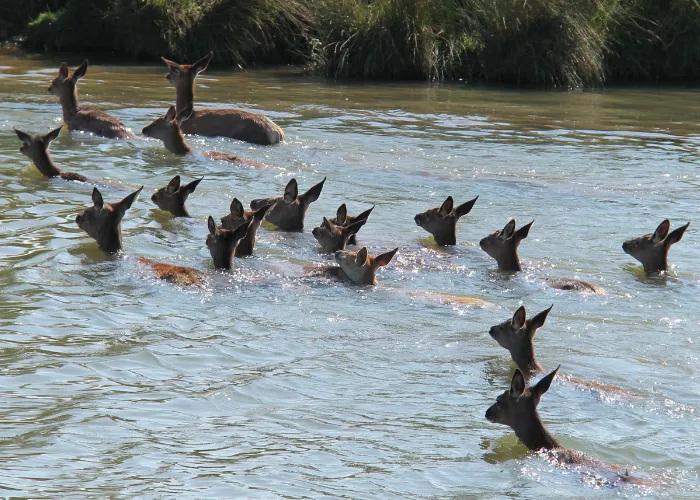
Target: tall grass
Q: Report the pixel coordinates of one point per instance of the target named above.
(570, 43)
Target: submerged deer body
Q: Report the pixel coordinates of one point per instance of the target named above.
(103, 220)
(236, 218)
(233, 123)
(343, 219)
(441, 221)
(360, 267)
(517, 408)
(65, 87)
(172, 197)
(180, 275)
(332, 237)
(288, 211)
(36, 148)
(222, 242)
(503, 247)
(167, 129)
(652, 249)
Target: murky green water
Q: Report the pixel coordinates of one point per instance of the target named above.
(271, 384)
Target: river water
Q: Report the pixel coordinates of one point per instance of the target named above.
(269, 383)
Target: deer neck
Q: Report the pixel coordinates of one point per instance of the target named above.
(526, 360)
(44, 163)
(175, 143)
(69, 103)
(510, 261)
(533, 434)
(184, 97)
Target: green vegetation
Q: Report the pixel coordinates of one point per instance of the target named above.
(543, 42)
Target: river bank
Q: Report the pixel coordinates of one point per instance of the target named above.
(563, 43)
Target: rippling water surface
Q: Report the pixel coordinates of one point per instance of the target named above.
(269, 383)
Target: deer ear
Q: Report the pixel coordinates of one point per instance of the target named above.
(355, 226)
(63, 71)
(312, 194)
(97, 198)
(466, 207)
(23, 136)
(517, 384)
(446, 206)
(328, 224)
(48, 138)
(676, 235)
(385, 258)
(661, 231)
(202, 64)
(519, 318)
(193, 185)
(538, 321)
(524, 231)
(543, 385)
(361, 256)
(80, 71)
(184, 114)
(236, 208)
(126, 203)
(211, 225)
(508, 229)
(365, 214)
(291, 191)
(341, 214)
(170, 114)
(171, 64)
(174, 184)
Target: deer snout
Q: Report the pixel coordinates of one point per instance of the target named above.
(626, 246)
(153, 197)
(338, 256)
(417, 218)
(492, 332)
(79, 220)
(314, 231)
(483, 243)
(489, 415)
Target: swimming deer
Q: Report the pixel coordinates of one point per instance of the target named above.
(233, 123)
(360, 267)
(172, 197)
(332, 237)
(36, 148)
(167, 129)
(343, 219)
(239, 216)
(180, 275)
(222, 242)
(652, 249)
(288, 211)
(517, 408)
(441, 221)
(503, 246)
(103, 220)
(65, 86)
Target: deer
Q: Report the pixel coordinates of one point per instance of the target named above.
(343, 219)
(517, 334)
(652, 249)
(179, 275)
(76, 117)
(503, 247)
(172, 197)
(233, 123)
(103, 220)
(360, 267)
(167, 129)
(441, 221)
(288, 211)
(517, 408)
(332, 237)
(36, 148)
(237, 217)
(222, 242)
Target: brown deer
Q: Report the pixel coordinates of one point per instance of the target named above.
(517, 408)
(333, 238)
(36, 148)
(360, 267)
(222, 242)
(288, 211)
(167, 129)
(65, 86)
(179, 275)
(172, 197)
(441, 221)
(233, 123)
(652, 249)
(239, 216)
(103, 220)
(503, 246)
(343, 219)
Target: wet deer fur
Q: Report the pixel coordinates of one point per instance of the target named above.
(103, 220)
(360, 267)
(441, 221)
(36, 148)
(65, 87)
(172, 197)
(238, 216)
(332, 237)
(234, 123)
(343, 219)
(652, 249)
(222, 242)
(288, 211)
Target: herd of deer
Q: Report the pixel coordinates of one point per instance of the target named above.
(235, 236)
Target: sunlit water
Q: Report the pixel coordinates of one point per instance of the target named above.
(268, 383)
